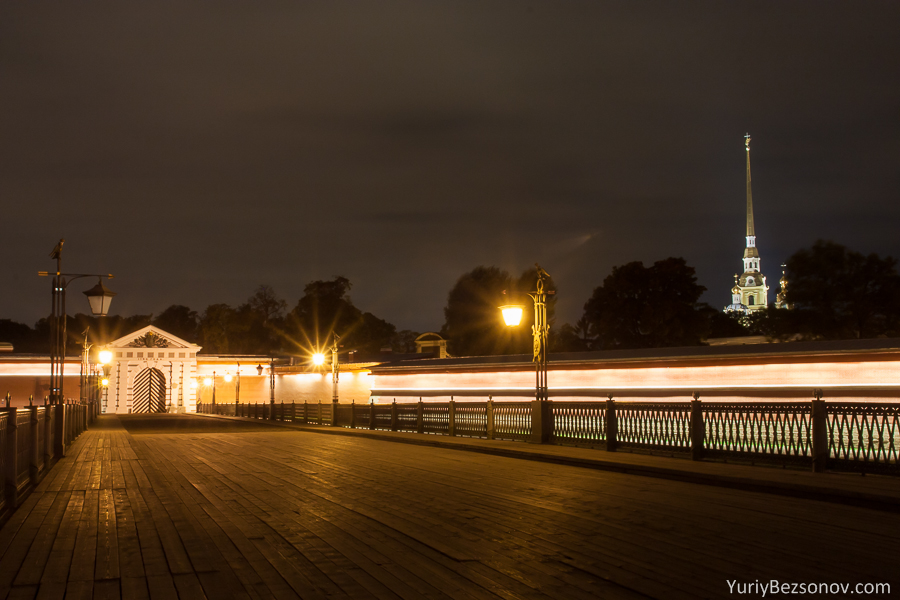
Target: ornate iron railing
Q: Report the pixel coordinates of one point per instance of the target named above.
(838, 435)
(864, 436)
(759, 430)
(470, 419)
(654, 425)
(407, 417)
(436, 417)
(578, 422)
(512, 420)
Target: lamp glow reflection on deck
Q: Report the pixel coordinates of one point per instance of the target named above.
(228, 377)
(512, 314)
(318, 359)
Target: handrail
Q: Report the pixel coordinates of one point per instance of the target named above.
(32, 439)
(853, 436)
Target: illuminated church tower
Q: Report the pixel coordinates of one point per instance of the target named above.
(751, 285)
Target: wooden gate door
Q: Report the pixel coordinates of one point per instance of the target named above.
(149, 392)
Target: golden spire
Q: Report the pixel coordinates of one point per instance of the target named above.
(750, 230)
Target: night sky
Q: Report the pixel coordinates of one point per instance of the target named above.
(197, 150)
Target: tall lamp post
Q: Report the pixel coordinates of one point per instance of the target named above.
(99, 298)
(318, 360)
(272, 382)
(104, 357)
(335, 368)
(512, 316)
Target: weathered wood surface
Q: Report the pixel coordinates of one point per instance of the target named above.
(186, 507)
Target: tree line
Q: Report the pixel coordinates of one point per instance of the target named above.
(261, 325)
(833, 293)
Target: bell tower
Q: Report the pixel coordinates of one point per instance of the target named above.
(751, 285)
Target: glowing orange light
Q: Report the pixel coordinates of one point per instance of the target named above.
(318, 359)
(512, 314)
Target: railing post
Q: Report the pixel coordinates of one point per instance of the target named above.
(540, 421)
(451, 426)
(35, 450)
(698, 428)
(48, 435)
(490, 418)
(819, 433)
(371, 415)
(394, 415)
(11, 475)
(420, 417)
(59, 440)
(352, 414)
(612, 424)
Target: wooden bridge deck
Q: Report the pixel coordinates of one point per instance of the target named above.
(186, 507)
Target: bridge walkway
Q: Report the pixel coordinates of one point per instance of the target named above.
(187, 507)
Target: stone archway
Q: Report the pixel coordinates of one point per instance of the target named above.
(149, 394)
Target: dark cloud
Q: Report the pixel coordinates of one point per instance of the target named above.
(197, 150)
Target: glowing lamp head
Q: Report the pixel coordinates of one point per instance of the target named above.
(207, 381)
(193, 384)
(105, 356)
(99, 298)
(318, 359)
(228, 377)
(104, 382)
(512, 314)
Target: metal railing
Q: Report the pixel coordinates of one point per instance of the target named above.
(854, 436)
(32, 439)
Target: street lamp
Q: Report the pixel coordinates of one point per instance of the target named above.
(512, 316)
(104, 357)
(99, 298)
(335, 367)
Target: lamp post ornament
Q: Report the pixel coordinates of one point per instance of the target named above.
(272, 381)
(541, 332)
(335, 367)
(512, 315)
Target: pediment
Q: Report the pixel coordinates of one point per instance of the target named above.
(152, 337)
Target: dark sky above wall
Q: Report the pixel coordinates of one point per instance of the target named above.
(197, 150)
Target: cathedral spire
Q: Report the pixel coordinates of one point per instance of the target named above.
(750, 292)
(750, 231)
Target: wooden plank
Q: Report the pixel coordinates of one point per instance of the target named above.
(107, 566)
(188, 586)
(85, 553)
(107, 589)
(130, 560)
(60, 558)
(162, 587)
(39, 549)
(80, 590)
(135, 588)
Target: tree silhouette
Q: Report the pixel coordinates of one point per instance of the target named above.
(647, 307)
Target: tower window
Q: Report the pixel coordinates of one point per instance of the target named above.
(751, 301)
